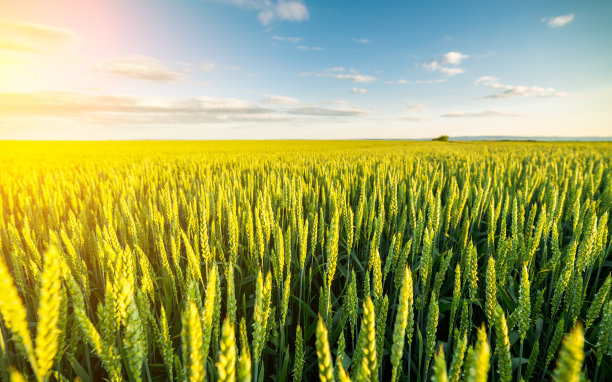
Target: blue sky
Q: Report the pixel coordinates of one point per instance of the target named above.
(228, 69)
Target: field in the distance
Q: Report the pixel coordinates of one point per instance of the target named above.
(300, 260)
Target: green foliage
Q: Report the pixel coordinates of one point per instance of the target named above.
(571, 357)
(441, 138)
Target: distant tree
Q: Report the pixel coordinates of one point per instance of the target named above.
(441, 138)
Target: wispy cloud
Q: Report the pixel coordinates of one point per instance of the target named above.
(328, 111)
(435, 66)
(140, 67)
(337, 102)
(510, 91)
(413, 107)
(269, 11)
(278, 100)
(359, 91)
(414, 111)
(558, 21)
(398, 82)
(479, 114)
(109, 109)
(159, 110)
(34, 38)
(305, 48)
(450, 58)
(362, 40)
(414, 118)
(293, 40)
(340, 73)
(417, 82)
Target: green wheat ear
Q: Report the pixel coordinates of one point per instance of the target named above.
(351, 302)
(524, 305)
(135, 342)
(244, 366)
(366, 368)
(14, 313)
(343, 375)
(299, 355)
(191, 337)
(556, 340)
(439, 367)
(456, 299)
(326, 370)
(502, 346)
(401, 321)
(47, 332)
(261, 313)
(597, 303)
(604, 336)
(16, 376)
(209, 310)
(479, 367)
(432, 326)
(165, 343)
(491, 291)
(571, 357)
(226, 365)
(458, 356)
(285, 301)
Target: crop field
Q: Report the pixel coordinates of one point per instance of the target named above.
(301, 260)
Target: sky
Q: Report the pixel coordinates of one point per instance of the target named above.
(300, 69)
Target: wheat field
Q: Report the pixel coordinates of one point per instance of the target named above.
(305, 260)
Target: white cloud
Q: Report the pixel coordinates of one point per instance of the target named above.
(140, 67)
(34, 38)
(417, 82)
(427, 82)
(127, 110)
(558, 21)
(432, 65)
(131, 109)
(359, 91)
(479, 114)
(291, 11)
(362, 40)
(342, 74)
(305, 48)
(207, 66)
(328, 112)
(279, 100)
(269, 11)
(450, 58)
(510, 91)
(451, 71)
(487, 80)
(453, 58)
(266, 16)
(293, 40)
